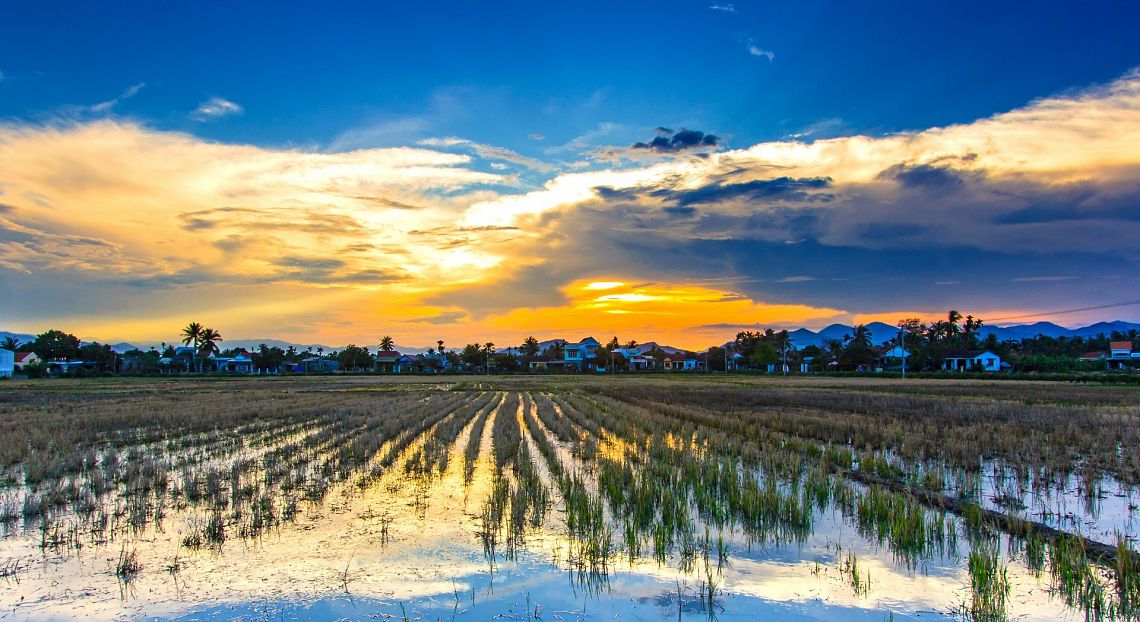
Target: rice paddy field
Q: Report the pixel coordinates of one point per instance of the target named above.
(568, 498)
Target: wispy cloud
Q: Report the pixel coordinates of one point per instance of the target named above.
(216, 107)
(1042, 279)
(756, 50)
(111, 103)
(796, 279)
(490, 152)
(727, 8)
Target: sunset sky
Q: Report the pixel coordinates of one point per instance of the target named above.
(475, 172)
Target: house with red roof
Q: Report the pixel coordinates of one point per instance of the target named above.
(1122, 356)
(25, 358)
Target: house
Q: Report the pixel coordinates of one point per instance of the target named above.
(890, 358)
(582, 354)
(983, 360)
(7, 363)
(806, 363)
(432, 362)
(240, 363)
(393, 362)
(66, 368)
(319, 364)
(184, 359)
(736, 361)
(25, 358)
(636, 360)
(1122, 357)
(544, 363)
(679, 362)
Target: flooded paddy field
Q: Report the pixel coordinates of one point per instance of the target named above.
(568, 498)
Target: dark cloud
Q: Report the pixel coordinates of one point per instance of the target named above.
(312, 221)
(785, 188)
(668, 141)
(924, 176)
(448, 317)
(680, 212)
(873, 246)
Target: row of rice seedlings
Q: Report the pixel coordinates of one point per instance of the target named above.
(582, 444)
(431, 458)
(475, 438)
(589, 535)
(332, 457)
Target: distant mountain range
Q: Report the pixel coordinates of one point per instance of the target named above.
(801, 337)
(881, 332)
(249, 344)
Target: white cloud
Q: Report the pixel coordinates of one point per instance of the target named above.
(796, 279)
(1042, 279)
(756, 50)
(111, 103)
(727, 8)
(490, 152)
(216, 107)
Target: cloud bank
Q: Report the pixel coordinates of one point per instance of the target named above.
(1029, 209)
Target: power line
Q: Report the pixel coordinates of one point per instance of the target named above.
(1092, 308)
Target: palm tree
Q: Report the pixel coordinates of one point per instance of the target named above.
(530, 347)
(208, 343)
(387, 343)
(488, 349)
(192, 334)
(440, 344)
(10, 343)
(631, 344)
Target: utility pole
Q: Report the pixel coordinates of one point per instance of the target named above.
(784, 355)
(902, 344)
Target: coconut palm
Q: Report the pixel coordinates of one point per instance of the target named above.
(440, 344)
(387, 343)
(192, 334)
(10, 343)
(208, 343)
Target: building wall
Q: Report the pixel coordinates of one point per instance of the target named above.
(7, 363)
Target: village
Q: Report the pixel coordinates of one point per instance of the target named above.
(953, 345)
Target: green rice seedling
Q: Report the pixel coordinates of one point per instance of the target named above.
(128, 566)
(1075, 579)
(1127, 577)
(859, 581)
(989, 583)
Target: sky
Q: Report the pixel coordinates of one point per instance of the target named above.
(674, 171)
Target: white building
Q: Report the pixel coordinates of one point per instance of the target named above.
(7, 363)
(967, 361)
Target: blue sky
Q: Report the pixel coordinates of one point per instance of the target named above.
(460, 168)
(499, 73)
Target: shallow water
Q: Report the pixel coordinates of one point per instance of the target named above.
(404, 547)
